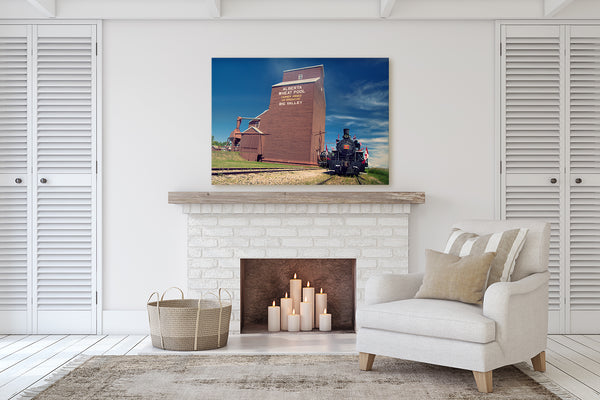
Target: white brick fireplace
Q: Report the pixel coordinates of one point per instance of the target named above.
(219, 235)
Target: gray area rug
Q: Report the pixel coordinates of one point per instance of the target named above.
(279, 377)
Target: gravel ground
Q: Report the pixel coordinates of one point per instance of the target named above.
(308, 177)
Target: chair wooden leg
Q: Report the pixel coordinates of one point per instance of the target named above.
(365, 361)
(483, 381)
(539, 362)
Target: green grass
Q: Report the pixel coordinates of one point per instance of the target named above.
(232, 159)
(381, 174)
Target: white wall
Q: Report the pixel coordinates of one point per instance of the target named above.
(157, 128)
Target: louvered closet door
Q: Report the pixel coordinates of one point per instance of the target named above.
(14, 71)
(64, 179)
(531, 139)
(583, 172)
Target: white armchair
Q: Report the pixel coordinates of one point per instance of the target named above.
(510, 327)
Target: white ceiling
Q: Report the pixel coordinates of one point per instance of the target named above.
(300, 9)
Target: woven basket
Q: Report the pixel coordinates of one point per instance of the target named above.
(192, 324)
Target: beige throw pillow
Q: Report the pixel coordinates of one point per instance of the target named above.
(507, 245)
(451, 277)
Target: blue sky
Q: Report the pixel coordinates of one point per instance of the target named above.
(356, 91)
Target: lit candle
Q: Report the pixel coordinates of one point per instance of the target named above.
(320, 306)
(286, 309)
(325, 321)
(308, 293)
(296, 292)
(306, 316)
(293, 321)
(274, 318)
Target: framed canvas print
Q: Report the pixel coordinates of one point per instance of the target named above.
(300, 121)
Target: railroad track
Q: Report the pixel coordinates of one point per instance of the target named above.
(325, 181)
(238, 171)
(256, 168)
(359, 180)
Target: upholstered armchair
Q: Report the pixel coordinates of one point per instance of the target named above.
(509, 327)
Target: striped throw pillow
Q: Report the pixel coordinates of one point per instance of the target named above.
(507, 245)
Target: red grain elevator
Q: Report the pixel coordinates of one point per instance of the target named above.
(292, 129)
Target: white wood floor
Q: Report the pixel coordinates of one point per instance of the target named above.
(573, 361)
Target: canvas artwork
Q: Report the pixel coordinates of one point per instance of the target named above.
(300, 121)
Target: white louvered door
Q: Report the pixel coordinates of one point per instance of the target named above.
(531, 124)
(14, 179)
(64, 179)
(583, 179)
(551, 153)
(48, 178)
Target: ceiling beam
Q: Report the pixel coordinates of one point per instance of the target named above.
(386, 7)
(553, 7)
(48, 7)
(278, 10)
(214, 8)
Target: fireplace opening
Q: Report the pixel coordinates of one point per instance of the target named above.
(266, 280)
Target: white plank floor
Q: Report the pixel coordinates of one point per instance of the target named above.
(573, 361)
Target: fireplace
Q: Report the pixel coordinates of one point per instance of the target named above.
(263, 281)
(227, 229)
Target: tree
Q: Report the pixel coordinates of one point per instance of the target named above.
(217, 143)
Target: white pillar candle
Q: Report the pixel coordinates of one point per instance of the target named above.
(306, 316)
(308, 294)
(320, 306)
(325, 322)
(274, 318)
(296, 292)
(293, 321)
(286, 309)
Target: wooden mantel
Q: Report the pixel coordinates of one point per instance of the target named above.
(296, 197)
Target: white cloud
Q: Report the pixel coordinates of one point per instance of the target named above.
(342, 117)
(369, 96)
(376, 140)
(378, 155)
(366, 126)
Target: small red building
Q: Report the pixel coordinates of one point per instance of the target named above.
(292, 129)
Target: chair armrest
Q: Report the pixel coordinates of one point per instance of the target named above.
(388, 287)
(503, 290)
(520, 310)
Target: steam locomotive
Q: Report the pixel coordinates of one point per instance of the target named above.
(347, 158)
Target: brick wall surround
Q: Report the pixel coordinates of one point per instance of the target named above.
(220, 234)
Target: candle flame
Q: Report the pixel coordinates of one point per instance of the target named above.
(321, 290)
(273, 303)
(325, 311)
(294, 275)
(308, 284)
(306, 299)
(293, 311)
(286, 295)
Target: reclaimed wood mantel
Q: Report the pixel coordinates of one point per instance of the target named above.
(296, 197)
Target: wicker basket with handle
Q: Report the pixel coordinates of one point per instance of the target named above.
(189, 324)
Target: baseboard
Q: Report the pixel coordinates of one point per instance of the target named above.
(125, 322)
